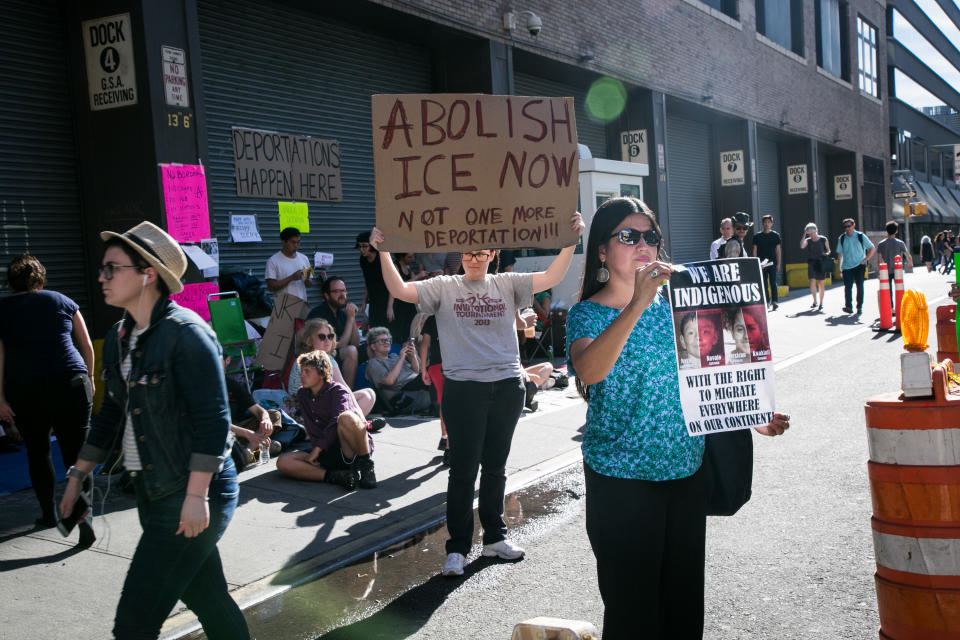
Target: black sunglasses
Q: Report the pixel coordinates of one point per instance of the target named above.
(326, 336)
(632, 236)
(106, 270)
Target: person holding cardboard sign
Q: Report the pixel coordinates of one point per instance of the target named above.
(646, 490)
(483, 392)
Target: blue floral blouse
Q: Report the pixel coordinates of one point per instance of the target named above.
(635, 426)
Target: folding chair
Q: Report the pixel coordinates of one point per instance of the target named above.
(226, 314)
(552, 332)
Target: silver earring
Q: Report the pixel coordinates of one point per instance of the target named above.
(602, 274)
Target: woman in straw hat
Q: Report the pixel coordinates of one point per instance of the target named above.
(166, 404)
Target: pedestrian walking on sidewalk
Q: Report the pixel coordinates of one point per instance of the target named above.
(816, 248)
(166, 407)
(766, 246)
(646, 496)
(889, 249)
(855, 250)
(483, 391)
(45, 352)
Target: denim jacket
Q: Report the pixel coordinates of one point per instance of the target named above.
(175, 394)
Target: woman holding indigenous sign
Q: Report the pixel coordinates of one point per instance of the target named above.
(483, 391)
(646, 494)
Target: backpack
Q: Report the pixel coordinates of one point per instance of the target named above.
(859, 237)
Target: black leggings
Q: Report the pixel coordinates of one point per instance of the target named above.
(648, 538)
(58, 402)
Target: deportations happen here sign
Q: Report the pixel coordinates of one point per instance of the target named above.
(723, 346)
(465, 172)
(285, 166)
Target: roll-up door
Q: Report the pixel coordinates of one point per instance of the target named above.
(768, 167)
(39, 191)
(689, 190)
(284, 68)
(590, 133)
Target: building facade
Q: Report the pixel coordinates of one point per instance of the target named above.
(763, 106)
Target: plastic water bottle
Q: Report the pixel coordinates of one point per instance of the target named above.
(264, 453)
(550, 353)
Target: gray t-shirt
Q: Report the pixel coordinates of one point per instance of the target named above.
(889, 249)
(378, 368)
(476, 323)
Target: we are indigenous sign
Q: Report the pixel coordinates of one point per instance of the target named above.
(724, 359)
(459, 172)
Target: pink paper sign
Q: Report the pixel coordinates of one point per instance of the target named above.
(185, 197)
(194, 297)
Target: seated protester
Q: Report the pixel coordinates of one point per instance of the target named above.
(250, 423)
(340, 447)
(536, 377)
(396, 377)
(342, 316)
(318, 335)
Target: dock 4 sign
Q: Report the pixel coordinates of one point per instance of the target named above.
(108, 49)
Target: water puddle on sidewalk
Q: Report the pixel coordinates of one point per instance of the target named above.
(390, 593)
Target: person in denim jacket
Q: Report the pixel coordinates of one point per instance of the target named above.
(166, 404)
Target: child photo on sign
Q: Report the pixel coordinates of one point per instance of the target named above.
(755, 321)
(736, 343)
(711, 338)
(686, 324)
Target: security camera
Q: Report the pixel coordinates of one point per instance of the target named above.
(534, 24)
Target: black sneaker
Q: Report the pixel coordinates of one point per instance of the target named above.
(847, 310)
(343, 477)
(368, 479)
(375, 425)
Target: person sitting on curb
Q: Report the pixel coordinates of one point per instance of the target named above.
(252, 430)
(396, 377)
(537, 377)
(317, 335)
(341, 447)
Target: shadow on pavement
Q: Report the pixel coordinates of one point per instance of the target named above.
(10, 565)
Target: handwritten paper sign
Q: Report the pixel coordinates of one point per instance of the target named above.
(294, 214)
(322, 260)
(194, 297)
(243, 228)
(464, 172)
(723, 346)
(185, 200)
(202, 260)
(274, 165)
(277, 343)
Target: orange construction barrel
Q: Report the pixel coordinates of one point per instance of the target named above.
(947, 332)
(914, 472)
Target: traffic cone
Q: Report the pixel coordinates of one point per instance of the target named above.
(883, 298)
(898, 286)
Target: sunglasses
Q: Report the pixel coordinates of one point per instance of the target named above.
(740, 227)
(326, 336)
(476, 256)
(107, 270)
(848, 226)
(632, 236)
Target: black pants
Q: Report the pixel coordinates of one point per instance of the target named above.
(770, 280)
(648, 538)
(854, 277)
(480, 418)
(61, 403)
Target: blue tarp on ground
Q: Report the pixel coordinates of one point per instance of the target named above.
(14, 474)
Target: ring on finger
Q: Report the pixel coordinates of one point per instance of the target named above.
(654, 272)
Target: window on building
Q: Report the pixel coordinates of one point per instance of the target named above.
(832, 43)
(935, 163)
(867, 54)
(782, 22)
(948, 171)
(874, 197)
(728, 7)
(918, 157)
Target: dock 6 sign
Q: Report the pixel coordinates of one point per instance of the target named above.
(462, 172)
(108, 49)
(731, 168)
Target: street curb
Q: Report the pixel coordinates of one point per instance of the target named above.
(183, 624)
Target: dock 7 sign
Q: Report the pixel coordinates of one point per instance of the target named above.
(460, 172)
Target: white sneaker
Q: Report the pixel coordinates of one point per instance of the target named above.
(503, 549)
(454, 564)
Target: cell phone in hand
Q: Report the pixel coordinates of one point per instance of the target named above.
(66, 525)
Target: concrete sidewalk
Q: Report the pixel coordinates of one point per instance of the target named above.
(284, 532)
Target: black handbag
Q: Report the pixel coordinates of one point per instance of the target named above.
(728, 463)
(826, 264)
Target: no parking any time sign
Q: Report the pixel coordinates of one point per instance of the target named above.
(108, 49)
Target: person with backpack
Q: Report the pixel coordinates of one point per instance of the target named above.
(855, 250)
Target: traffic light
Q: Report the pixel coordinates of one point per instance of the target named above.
(917, 209)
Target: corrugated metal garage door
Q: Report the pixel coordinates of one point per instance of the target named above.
(689, 190)
(283, 68)
(768, 166)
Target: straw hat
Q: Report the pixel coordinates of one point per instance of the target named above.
(159, 250)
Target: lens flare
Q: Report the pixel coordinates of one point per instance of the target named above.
(606, 99)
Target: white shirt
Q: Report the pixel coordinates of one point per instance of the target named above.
(131, 455)
(715, 247)
(280, 266)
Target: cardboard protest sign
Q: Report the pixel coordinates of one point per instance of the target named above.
(275, 348)
(460, 172)
(723, 346)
